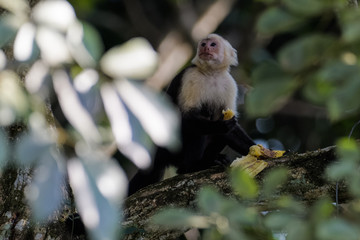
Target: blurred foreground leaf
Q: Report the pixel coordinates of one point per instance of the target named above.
(244, 185)
(135, 59)
(46, 192)
(99, 185)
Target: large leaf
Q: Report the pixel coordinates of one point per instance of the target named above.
(58, 14)
(72, 107)
(135, 59)
(153, 111)
(276, 20)
(25, 48)
(129, 135)
(35, 81)
(53, 46)
(85, 44)
(99, 185)
(45, 193)
(306, 51)
(86, 85)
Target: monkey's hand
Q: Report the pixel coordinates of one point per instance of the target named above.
(229, 124)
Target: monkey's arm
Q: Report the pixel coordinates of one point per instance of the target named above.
(199, 125)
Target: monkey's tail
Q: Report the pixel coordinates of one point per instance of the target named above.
(153, 175)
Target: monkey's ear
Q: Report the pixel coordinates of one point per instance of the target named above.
(232, 53)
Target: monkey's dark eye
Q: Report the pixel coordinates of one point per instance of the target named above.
(203, 44)
(213, 44)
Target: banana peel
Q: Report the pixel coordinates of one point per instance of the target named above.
(252, 162)
(260, 152)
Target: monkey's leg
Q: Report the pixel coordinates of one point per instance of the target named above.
(212, 154)
(153, 175)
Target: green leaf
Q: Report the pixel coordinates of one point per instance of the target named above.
(345, 100)
(350, 25)
(276, 20)
(93, 42)
(135, 59)
(312, 7)
(337, 229)
(210, 201)
(349, 156)
(179, 218)
(272, 89)
(298, 230)
(340, 170)
(290, 204)
(321, 86)
(243, 184)
(273, 180)
(306, 51)
(321, 210)
(348, 146)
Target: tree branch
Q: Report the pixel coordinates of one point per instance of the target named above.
(306, 183)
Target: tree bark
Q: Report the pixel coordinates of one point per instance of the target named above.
(306, 183)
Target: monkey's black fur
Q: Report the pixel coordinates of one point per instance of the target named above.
(203, 139)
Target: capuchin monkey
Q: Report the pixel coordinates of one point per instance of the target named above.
(201, 92)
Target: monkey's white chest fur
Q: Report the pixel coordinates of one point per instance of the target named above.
(218, 90)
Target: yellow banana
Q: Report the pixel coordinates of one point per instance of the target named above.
(228, 114)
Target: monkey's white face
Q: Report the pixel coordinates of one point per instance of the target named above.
(210, 49)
